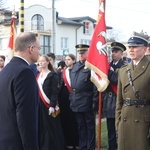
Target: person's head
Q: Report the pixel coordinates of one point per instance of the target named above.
(52, 58)
(27, 46)
(70, 59)
(117, 51)
(82, 50)
(61, 65)
(137, 47)
(2, 61)
(147, 53)
(44, 63)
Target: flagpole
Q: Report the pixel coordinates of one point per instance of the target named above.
(100, 106)
(99, 121)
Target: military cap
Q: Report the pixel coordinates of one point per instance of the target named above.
(117, 46)
(82, 48)
(137, 41)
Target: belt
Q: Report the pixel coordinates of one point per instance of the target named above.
(129, 102)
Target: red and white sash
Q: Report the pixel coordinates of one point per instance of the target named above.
(66, 78)
(43, 96)
(45, 99)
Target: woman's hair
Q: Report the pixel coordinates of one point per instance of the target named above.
(50, 67)
(3, 57)
(51, 55)
(73, 57)
(62, 64)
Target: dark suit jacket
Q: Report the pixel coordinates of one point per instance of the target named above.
(18, 107)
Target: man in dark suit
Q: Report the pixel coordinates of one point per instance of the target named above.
(19, 97)
(109, 95)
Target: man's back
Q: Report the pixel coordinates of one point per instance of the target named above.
(18, 107)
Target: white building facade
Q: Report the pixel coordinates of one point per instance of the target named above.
(57, 34)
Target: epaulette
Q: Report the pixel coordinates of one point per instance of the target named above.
(124, 65)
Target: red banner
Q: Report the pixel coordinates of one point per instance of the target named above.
(12, 33)
(97, 59)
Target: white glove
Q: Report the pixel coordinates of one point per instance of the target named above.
(51, 110)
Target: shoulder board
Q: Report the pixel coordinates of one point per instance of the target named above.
(124, 65)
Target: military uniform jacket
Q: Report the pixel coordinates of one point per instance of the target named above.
(84, 92)
(109, 96)
(133, 122)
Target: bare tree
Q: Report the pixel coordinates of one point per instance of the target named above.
(113, 35)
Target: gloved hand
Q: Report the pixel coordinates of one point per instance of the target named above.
(51, 110)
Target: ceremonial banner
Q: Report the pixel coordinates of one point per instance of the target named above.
(12, 33)
(97, 59)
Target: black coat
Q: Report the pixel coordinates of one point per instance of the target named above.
(84, 92)
(68, 120)
(18, 107)
(109, 96)
(50, 129)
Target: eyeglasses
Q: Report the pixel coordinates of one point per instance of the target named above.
(39, 48)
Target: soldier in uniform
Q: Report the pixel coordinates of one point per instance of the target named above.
(109, 95)
(133, 99)
(83, 99)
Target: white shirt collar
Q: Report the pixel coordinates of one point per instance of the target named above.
(23, 59)
(136, 63)
(115, 63)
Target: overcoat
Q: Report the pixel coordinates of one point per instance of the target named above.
(18, 107)
(109, 96)
(85, 94)
(50, 129)
(133, 121)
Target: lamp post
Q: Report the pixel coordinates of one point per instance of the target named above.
(53, 27)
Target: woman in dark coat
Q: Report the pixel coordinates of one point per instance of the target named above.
(67, 117)
(50, 129)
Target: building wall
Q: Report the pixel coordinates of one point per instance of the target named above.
(74, 33)
(46, 13)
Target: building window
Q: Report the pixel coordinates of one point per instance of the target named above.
(87, 29)
(37, 22)
(64, 43)
(85, 41)
(45, 44)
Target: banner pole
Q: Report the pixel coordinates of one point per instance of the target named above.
(100, 100)
(99, 120)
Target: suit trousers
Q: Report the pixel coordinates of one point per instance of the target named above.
(112, 141)
(86, 130)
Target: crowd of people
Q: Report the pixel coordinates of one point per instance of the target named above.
(44, 107)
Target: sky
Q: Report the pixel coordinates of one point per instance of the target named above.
(125, 16)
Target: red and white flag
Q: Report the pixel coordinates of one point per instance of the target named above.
(97, 59)
(12, 33)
